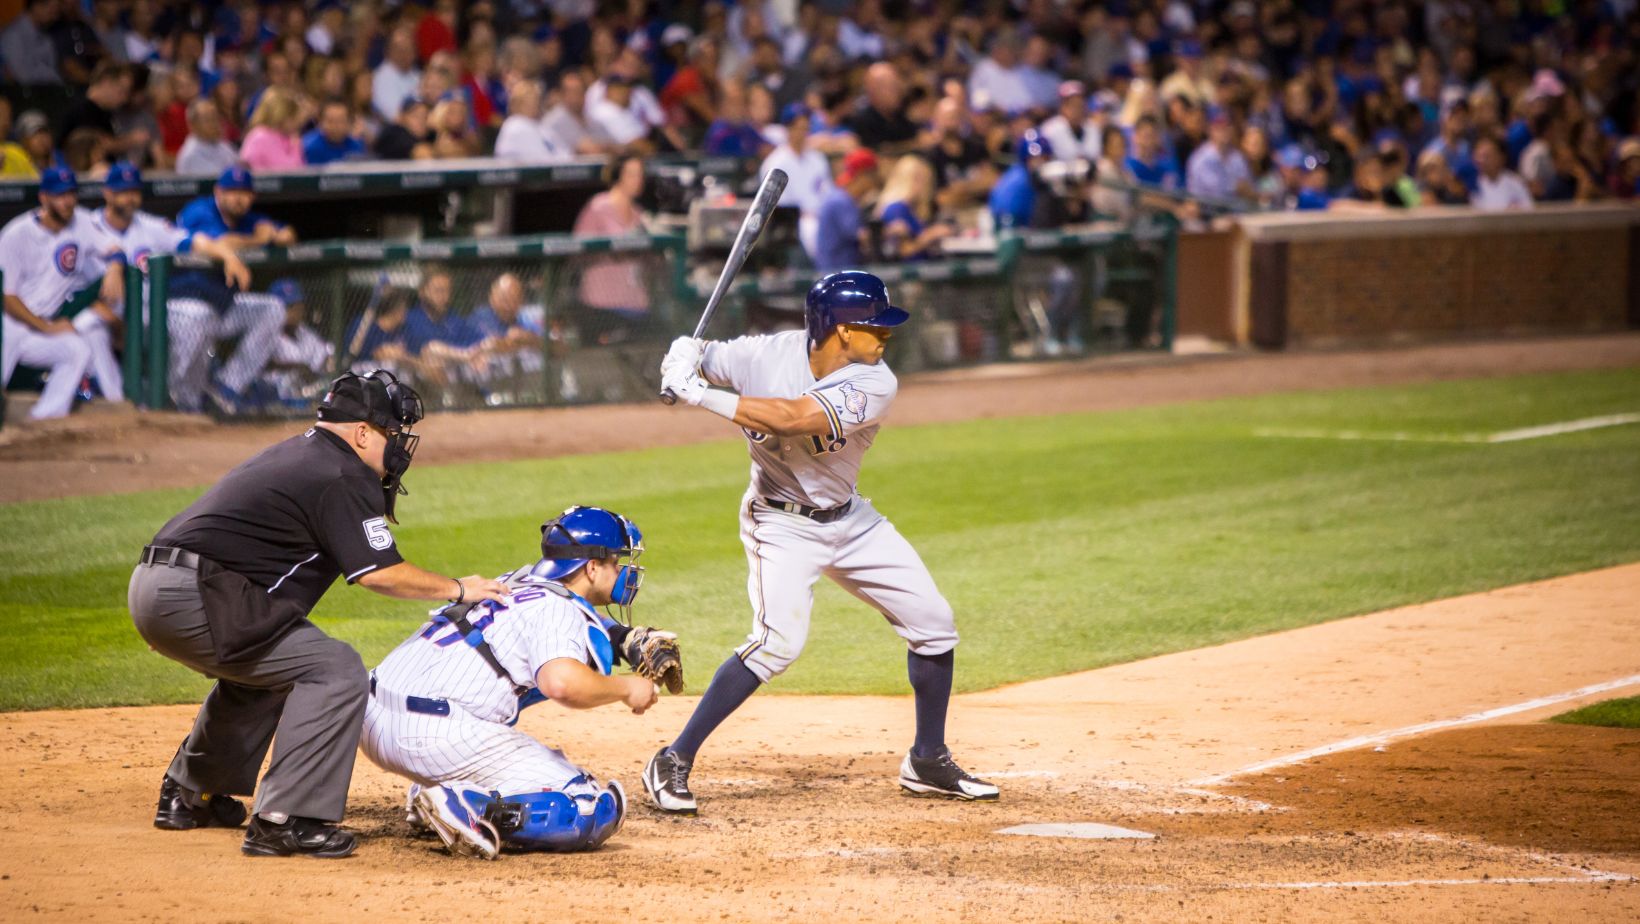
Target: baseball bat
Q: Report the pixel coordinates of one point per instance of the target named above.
(768, 196)
(365, 322)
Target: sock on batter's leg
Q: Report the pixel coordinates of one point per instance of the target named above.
(733, 684)
(931, 684)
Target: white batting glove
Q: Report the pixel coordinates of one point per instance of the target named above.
(687, 386)
(685, 353)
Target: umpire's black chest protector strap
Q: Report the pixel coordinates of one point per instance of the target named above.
(456, 615)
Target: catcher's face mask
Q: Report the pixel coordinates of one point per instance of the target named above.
(381, 400)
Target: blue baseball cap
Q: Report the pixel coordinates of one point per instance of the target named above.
(236, 177)
(1189, 48)
(286, 290)
(54, 181)
(793, 112)
(123, 177)
(1290, 156)
(1121, 71)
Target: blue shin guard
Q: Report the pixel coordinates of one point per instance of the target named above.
(559, 822)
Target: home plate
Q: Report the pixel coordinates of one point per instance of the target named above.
(1084, 829)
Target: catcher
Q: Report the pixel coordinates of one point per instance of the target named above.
(442, 705)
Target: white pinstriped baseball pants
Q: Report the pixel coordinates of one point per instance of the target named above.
(67, 355)
(433, 749)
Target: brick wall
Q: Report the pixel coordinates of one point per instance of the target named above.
(1419, 286)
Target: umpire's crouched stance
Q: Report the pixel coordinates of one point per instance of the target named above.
(226, 587)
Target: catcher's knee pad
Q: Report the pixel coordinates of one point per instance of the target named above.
(557, 821)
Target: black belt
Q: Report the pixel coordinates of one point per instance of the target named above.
(166, 555)
(420, 704)
(817, 514)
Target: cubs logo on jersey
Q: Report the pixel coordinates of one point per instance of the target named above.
(140, 258)
(67, 258)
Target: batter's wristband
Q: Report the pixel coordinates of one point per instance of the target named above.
(722, 403)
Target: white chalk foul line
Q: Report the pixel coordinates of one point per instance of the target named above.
(1350, 744)
(1413, 883)
(1501, 436)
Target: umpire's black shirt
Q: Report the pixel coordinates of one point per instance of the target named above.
(292, 518)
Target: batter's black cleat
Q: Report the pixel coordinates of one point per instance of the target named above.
(666, 780)
(183, 810)
(940, 776)
(306, 837)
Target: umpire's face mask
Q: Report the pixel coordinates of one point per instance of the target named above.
(396, 456)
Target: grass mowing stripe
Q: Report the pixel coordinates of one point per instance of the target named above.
(1064, 542)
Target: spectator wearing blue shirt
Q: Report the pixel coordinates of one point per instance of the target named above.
(1150, 163)
(1217, 169)
(383, 345)
(839, 240)
(509, 344)
(441, 339)
(1453, 144)
(732, 134)
(204, 310)
(906, 211)
(1013, 199)
(331, 140)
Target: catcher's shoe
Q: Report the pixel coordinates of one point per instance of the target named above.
(940, 776)
(183, 810)
(307, 837)
(413, 815)
(463, 829)
(666, 780)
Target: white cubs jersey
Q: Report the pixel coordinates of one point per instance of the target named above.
(820, 471)
(539, 623)
(147, 235)
(44, 269)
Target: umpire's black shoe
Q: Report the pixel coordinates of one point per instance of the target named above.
(666, 780)
(180, 810)
(306, 837)
(940, 776)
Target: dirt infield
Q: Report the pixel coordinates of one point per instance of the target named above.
(119, 451)
(801, 819)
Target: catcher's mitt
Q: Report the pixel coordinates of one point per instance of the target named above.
(653, 654)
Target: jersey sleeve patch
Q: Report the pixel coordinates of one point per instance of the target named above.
(854, 401)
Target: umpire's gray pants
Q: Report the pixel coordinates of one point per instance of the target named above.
(308, 687)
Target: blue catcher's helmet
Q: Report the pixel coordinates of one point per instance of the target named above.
(581, 534)
(849, 297)
(1033, 144)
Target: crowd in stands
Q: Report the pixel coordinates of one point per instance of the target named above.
(1283, 103)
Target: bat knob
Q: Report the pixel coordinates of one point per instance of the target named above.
(668, 398)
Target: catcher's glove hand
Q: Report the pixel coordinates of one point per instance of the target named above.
(653, 654)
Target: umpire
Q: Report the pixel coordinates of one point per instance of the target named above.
(226, 588)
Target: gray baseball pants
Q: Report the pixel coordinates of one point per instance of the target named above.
(307, 689)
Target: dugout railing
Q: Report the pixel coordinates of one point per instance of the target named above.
(596, 313)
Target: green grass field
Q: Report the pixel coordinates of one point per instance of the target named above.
(1613, 713)
(1065, 542)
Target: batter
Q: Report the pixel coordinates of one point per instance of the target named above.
(810, 403)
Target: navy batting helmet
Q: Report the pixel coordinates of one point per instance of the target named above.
(849, 297)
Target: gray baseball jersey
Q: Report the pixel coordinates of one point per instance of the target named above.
(819, 471)
(787, 552)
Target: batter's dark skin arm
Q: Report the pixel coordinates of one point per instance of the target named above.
(783, 416)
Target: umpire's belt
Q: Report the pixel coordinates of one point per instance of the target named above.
(417, 704)
(166, 555)
(817, 514)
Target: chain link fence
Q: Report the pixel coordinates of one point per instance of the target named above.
(556, 320)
